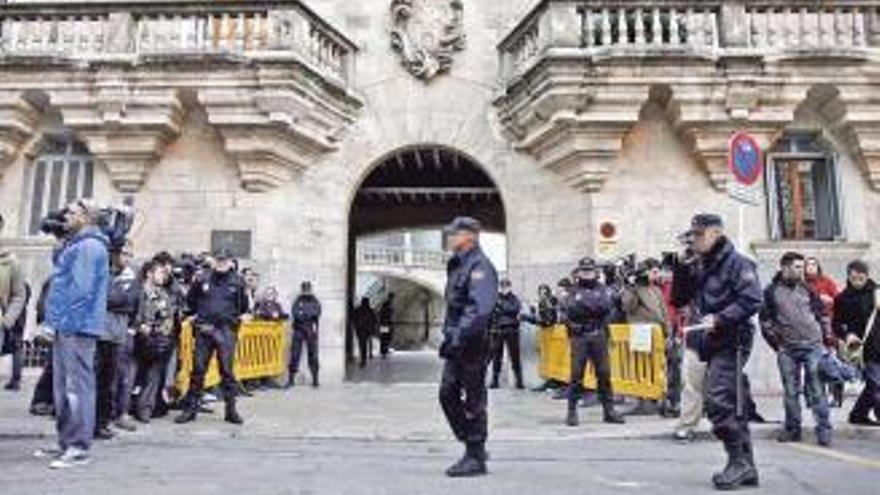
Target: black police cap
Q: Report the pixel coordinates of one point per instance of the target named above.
(222, 253)
(586, 264)
(705, 221)
(458, 224)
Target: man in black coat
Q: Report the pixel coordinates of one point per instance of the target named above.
(471, 290)
(365, 325)
(505, 333)
(305, 316)
(218, 299)
(853, 310)
(723, 286)
(586, 312)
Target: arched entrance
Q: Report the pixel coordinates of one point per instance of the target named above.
(396, 246)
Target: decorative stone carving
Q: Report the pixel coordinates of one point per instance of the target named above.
(274, 132)
(426, 34)
(18, 120)
(127, 131)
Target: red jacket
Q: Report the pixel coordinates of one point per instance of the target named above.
(825, 286)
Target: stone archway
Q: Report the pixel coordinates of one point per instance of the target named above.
(415, 188)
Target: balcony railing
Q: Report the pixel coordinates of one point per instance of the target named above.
(799, 24)
(113, 29)
(400, 257)
(609, 28)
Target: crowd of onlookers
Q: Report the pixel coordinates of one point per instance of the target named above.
(110, 329)
(824, 336)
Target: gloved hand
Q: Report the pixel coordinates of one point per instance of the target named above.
(450, 348)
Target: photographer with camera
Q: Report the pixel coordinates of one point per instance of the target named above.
(643, 302)
(154, 324)
(76, 311)
(14, 295)
(857, 324)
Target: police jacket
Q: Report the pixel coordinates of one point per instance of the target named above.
(725, 284)
(471, 291)
(587, 308)
(306, 312)
(506, 313)
(218, 298)
(852, 309)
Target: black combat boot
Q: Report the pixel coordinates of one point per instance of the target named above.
(473, 463)
(572, 418)
(232, 415)
(739, 471)
(189, 414)
(315, 383)
(494, 382)
(291, 380)
(610, 415)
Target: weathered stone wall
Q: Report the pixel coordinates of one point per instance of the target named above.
(300, 227)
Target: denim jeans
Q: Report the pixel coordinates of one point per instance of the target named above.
(73, 367)
(799, 368)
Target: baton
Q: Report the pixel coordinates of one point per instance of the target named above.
(697, 327)
(739, 384)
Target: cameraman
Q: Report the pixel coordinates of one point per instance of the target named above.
(643, 303)
(76, 310)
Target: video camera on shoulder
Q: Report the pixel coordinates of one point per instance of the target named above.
(114, 222)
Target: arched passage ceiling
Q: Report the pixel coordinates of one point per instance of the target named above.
(425, 186)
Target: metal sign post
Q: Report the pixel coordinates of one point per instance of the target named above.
(746, 163)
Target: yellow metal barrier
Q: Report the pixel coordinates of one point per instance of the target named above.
(258, 354)
(637, 374)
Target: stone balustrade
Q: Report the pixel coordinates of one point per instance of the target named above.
(111, 29)
(800, 24)
(705, 28)
(574, 77)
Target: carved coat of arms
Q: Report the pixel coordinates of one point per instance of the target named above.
(426, 34)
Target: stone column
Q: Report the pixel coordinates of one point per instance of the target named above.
(121, 33)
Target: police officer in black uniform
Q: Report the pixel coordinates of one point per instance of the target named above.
(586, 311)
(218, 300)
(724, 290)
(471, 290)
(505, 332)
(305, 316)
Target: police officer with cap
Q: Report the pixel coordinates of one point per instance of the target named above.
(471, 291)
(218, 299)
(586, 311)
(722, 287)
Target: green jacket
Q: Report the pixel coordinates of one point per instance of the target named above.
(155, 311)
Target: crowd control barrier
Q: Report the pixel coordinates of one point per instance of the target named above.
(259, 353)
(637, 356)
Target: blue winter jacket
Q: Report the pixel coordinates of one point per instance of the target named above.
(77, 300)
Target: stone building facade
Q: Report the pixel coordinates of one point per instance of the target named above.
(266, 117)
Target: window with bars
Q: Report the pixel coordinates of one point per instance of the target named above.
(802, 190)
(62, 171)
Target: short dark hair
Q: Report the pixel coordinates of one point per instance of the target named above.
(858, 266)
(790, 257)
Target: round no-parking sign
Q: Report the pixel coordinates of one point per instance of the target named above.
(744, 159)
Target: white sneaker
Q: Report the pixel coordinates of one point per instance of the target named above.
(48, 453)
(72, 457)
